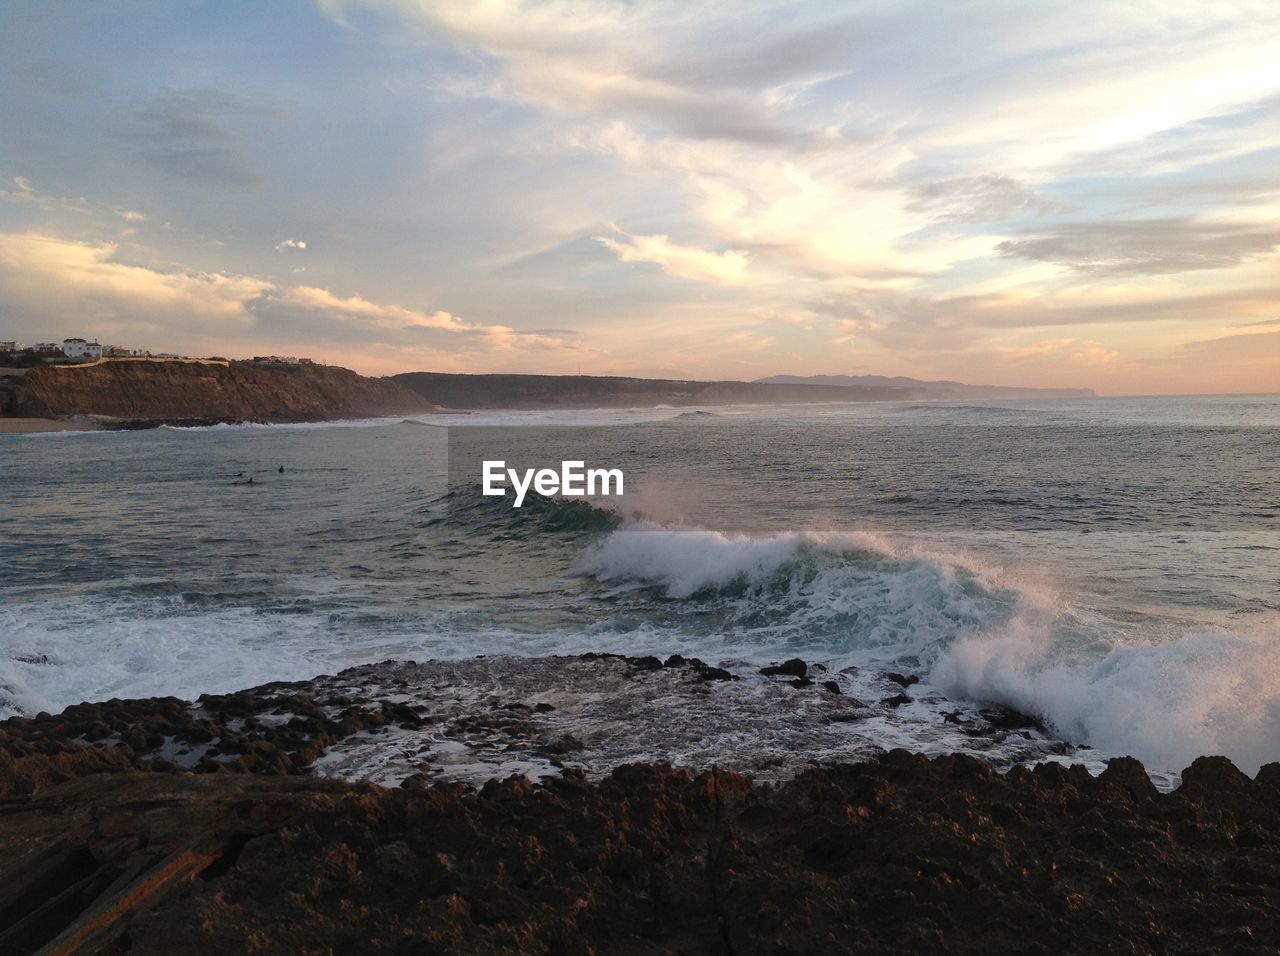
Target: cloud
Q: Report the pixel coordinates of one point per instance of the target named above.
(685, 262)
(356, 306)
(749, 341)
(1252, 361)
(291, 244)
(192, 135)
(398, 318)
(1021, 353)
(1264, 323)
(77, 282)
(922, 325)
(1092, 353)
(950, 179)
(987, 198)
(27, 194)
(1258, 350)
(692, 71)
(801, 153)
(1146, 247)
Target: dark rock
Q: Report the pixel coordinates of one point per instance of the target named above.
(832, 686)
(896, 701)
(705, 672)
(900, 679)
(901, 854)
(801, 682)
(791, 668)
(1209, 774)
(1128, 774)
(1006, 718)
(543, 708)
(646, 663)
(1268, 775)
(675, 660)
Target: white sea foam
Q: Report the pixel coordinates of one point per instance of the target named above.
(973, 632)
(1205, 692)
(981, 634)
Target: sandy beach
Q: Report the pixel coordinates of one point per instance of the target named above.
(27, 426)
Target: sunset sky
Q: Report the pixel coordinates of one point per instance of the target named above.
(1021, 193)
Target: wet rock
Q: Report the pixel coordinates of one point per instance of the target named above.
(646, 663)
(801, 682)
(897, 854)
(900, 679)
(897, 700)
(1006, 718)
(790, 668)
(831, 686)
(418, 781)
(705, 672)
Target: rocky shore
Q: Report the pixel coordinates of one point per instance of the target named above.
(249, 822)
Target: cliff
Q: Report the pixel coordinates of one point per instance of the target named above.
(152, 390)
(600, 391)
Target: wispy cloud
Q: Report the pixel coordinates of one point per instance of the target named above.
(1144, 247)
(194, 134)
(686, 262)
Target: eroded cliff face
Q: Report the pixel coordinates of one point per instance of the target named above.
(149, 390)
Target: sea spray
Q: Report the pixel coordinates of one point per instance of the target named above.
(1208, 691)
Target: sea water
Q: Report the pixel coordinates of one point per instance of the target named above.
(1111, 566)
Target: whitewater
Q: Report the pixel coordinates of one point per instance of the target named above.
(1109, 567)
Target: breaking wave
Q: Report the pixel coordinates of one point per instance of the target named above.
(972, 632)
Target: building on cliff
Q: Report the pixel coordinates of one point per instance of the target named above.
(80, 349)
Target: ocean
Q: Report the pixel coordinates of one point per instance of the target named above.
(1108, 566)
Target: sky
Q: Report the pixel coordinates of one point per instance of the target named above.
(1076, 193)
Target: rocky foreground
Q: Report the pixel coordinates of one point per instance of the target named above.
(169, 827)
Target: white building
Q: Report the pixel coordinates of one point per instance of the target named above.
(80, 349)
(11, 346)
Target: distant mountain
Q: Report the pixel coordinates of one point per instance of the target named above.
(915, 388)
